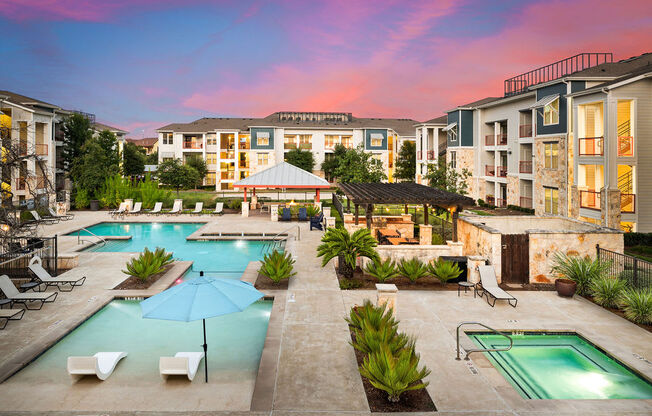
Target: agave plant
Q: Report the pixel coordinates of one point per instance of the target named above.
(581, 270)
(637, 305)
(444, 270)
(381, 270)
(370, 340)
(337, 242)
(394, 373)
(312, 211)
(277, 266)
(413, 269)
(148, 263)
(375, 316)
(607, 291)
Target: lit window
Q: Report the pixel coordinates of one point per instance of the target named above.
(452, 134)
(262, 139)
(263, 159)
(376, 140)
(347, 141)
(211, 158)
(551, 155)
(551, 200)
(453, 160)
(551, 113)
(211, 139)
(168, 138)
(329, 141)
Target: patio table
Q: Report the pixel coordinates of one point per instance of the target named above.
(396, 240)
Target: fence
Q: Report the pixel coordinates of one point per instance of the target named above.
(16, 252)
(338, 205)
(637, 272)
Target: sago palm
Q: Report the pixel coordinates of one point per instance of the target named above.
(277, 266)
(413, 269)
(370, 340)
(375, 316)
(381, 270)
(444, 270)
(338, 242)
(148, 263)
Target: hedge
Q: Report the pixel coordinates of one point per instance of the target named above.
(638, 239)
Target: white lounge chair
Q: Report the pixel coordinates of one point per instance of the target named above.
(120, 211)
(489, 286)
(182, 364)
(157, 209)
(7, 315)
(177, 207)
(101, 364)
(36, 267)
(65, 217)
(199, 207)
(219, 208)
(38, 218)
(137, 208)
(12, 293)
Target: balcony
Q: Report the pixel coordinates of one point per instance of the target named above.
(525, 166)
(489, 140)
(590, 200)
(41, 182)
(305, 146)
(501, 203)
(525, 130)
(591, 146)
(227, 155)
(21, 184)
(491, 200)
(193, 145)
(243, 164)
(22, 148)
(431, 155)
(502, 171)
(526, 202)
(489, 170)
(289, 146)
(243, 146)
(41, 149)
(625, 146)
(211, 166)
(628, 203)
(227, 175)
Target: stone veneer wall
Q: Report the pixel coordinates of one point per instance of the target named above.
(610, 207)
(513, 191)
(424, 253)
(554, 178)
(480, 242)
(465, 159)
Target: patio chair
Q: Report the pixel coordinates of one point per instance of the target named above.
(219, 208)
(36, 267)
(65, 217)
(489, 286)
(316, 222)
(286, 215)
(16, 247)
(182, 364)
(199, 207)
(38, 218)
(120, 212)
(177, 207)
(101, 364)
(7, 287)
(7, 315)
(137, 209)
(156, 210)
(303, 214)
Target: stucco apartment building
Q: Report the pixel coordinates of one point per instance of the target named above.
(235, 148)
(565, 139)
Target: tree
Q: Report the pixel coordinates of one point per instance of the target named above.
(95, 164)
(199, 165)
(109, 143)
(332, 162)
(359, 166)
(406, 162)
(337, 242)
(445, 177)
(76, 131)
(303, 159)
(133, 160)
(177, 175)
(152, 158)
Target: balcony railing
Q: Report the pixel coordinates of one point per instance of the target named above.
(525, 130)
(491, 200)
(492, 140)
(289, 145)
(625, 146)
(227, 155)
(591, 146)
(21, 184)
(193, 145)
(489, 170)
(502, 171)
(489, 140)
(41, 182)
(305, 146)
(431, 155)
(41, 149)
(211, 167)
(525, 166)
(526, 202)
(628, 203)
(22, 148)
(244, 146)
(502, 139)
(501, 203)
(590, 199)
(227, 175)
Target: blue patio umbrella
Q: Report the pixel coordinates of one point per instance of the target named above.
(200, 298)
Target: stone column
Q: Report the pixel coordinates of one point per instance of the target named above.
(326, 211)
(610, 207)
(330, 222)
(386, 294)
(574, 202)
(245, 209)
(273, 212)
(425, 235)
(472, 273)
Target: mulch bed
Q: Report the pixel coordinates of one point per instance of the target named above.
(411, 401)
(265, 283)
(134, 283)
(620, 313)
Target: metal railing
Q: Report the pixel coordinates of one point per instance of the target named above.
(591, 146)
(525, 130)
(16, 253)
(636, 272)
(80, 240)
(489, 170)
(430, 155)
(489, 140)
(41, 149)
(525, 166)
(466, 357)
(625, 146)
(338, 205)
(627, 203)
(501, 171)
(590, 199)
(193, 145)
(275, 240)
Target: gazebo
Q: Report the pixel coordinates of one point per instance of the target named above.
(403, 193)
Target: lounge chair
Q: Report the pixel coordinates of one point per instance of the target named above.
(101, 364)
(286, 215)
(64, 217)
(16, 247)
(177, 207)
(157, 209)
(38, 218)
(36, 266)
(303, 214)
(489, 287)
(199, 207)
(120, 212)
(182, 364)
(316, 222)
(219, 208)
(12, 293)
(7, 315)
(137, 209)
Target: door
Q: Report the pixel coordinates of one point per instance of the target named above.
(515, 258)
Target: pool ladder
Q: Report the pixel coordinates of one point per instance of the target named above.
(81, 240)
(466, 357)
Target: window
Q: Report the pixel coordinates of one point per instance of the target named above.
(168, 138)
(305, 141)
(376, 139)
(347, 141)
(453, 160)
(330, 141)
(290, 141)
(262, 139)
(551, 155)
(552, 200)
(551, 113)
(211, 139)
(452, 134)
(211, 158)
(263, 159)
(211, 178)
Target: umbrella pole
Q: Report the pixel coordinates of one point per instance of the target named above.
(205, 351)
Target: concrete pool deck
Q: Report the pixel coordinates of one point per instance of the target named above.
(316, 370)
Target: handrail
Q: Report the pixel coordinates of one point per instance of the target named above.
(511, 341)
(79, 240)
(273, 240)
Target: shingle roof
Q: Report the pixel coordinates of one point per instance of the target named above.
(146, 142)
(100, 127)
(24, 100)
(438, 120)
(616, 69)
(640, 71)
(283, 175)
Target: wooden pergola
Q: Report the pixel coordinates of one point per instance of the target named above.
(403, 193)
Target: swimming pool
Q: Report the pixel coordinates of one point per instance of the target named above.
(223, 258)
(561, 366)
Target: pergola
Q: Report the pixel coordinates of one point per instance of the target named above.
(403, 193)
(283, 176)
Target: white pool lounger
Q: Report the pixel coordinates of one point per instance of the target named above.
(101, 364)
(182, 364)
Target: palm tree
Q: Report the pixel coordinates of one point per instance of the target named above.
(337, 242)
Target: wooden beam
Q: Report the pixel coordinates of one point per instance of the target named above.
(425, 214)
(455, 216)
(356, 214)
(369, 213)
(406, 209)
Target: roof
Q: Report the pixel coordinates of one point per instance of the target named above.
(146, 142)
(437, 120)
(476, 103)
(544, 101)
(403, 193)
(100, 127)
(616, 69)
(283, 175)
(25, 101)
(642, 71)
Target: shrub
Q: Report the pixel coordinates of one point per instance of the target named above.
(337, 242)
(235, 204)
(382, 270)
(413, 269)
(277, 266)
(637, 305)
(81, 199)
(437, 239)
(312, 211)
(482, 203)
(370, 340)
(348, 284)
(375, 316)
(148, 263)
(637, 239)
(641, 275)
(581, 270)
(444, 270)
(150, 193)
(607, 291)
(394, 373)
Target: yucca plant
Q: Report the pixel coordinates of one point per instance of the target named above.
(413, 269)
(607, 291)
(148, 263)
(312, 211)
(444, 270)
(337, 242)
(394, 373)
(637, 305)
(277, 266)
(581, 270)
(370, 340)
(376, 316)
(381, 270)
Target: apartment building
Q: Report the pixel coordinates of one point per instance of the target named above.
(235, 148)
(148, 144)
(561, 140)
(431, 139)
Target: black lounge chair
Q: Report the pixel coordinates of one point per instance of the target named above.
(287, 215)
(316, 222)
(303, 214)
(7, 315)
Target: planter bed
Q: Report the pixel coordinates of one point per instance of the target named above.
(619, 313)
(265, 283)
(133, 283)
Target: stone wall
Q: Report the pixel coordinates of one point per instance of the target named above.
(513, 190)
(610, 207)
(465, 159)
(479, 241)
(423, 253)
(554, 178)
(403, 223)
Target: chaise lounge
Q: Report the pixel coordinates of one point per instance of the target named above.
(36, 266)
(101, 364)
(137, 208)
(157, 209)
(489, 287)
(182, 364)
(219, 208)
(64, 217)
(10, 291)
(7, 315)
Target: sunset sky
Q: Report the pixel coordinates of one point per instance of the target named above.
(141, 64)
